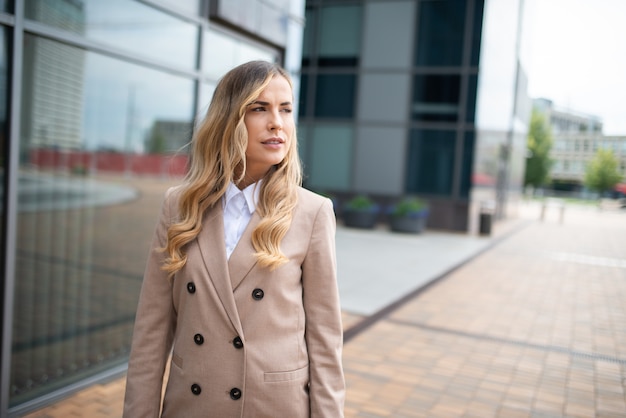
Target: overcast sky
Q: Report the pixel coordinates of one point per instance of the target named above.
(578, 57)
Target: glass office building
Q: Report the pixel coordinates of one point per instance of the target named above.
(416, 97)
(97, 104)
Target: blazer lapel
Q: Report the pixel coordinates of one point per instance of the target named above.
(242, 259)
(213, 250)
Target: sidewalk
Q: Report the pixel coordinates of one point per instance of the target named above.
(528, 322)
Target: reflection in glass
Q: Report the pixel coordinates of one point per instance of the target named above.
(266, 19)
(222, 52)
(98, 149)
(189, 6)
(126, 24)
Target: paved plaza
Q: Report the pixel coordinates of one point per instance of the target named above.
(529, 322)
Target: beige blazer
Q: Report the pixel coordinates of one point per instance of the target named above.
(244, 341)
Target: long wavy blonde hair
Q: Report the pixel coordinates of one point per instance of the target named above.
(219, 157)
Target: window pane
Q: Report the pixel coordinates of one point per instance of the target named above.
(123, 24)
(436, 98)
(96, 156)
(190, 6)
(334, 95)
(222, 52)
(431, 162)
(205, 95)
(440, 32)
(331, 156)
(304, 94)
(340, 36)
(266, 19)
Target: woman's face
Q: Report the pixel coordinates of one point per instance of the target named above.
(270, 125)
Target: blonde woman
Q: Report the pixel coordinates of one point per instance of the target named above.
(240, 287)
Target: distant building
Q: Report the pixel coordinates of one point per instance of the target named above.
(577, 137)
(416, 97)
(55, 88)
(169, 136)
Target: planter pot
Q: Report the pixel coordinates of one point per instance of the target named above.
(360, 219)
(413, 225)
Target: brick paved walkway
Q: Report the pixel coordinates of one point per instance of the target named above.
(533, 327)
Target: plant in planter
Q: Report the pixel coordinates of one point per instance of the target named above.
(360, 212)
(408, 215)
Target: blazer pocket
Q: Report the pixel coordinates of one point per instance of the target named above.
(299, 374)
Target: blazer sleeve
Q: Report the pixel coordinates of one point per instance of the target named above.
(153, 331)
(324, 332)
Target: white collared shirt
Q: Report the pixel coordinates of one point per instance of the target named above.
(239, 205)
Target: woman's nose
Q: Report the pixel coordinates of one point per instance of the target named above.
(276, 122)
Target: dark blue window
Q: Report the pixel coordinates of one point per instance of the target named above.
(334, 95)
(436, 98)
(304, 94)
(477, 29)
(440, 33)
(472, 86)
(467, 164)
(431, 162)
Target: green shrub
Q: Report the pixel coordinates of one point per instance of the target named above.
(361, 203)
(410, 206)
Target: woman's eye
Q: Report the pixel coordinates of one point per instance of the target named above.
(258, 109)
(287, 110)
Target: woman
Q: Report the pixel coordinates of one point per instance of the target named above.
(240, 287)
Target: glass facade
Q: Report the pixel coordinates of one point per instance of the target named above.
(109, 94)
(124, 24)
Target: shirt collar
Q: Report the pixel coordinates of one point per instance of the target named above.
(250, 193)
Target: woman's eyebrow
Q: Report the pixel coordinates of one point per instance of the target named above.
(262, 103)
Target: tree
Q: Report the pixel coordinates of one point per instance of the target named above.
(539, 144)
(602, 172)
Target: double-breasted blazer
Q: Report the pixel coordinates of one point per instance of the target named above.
(244, 341)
